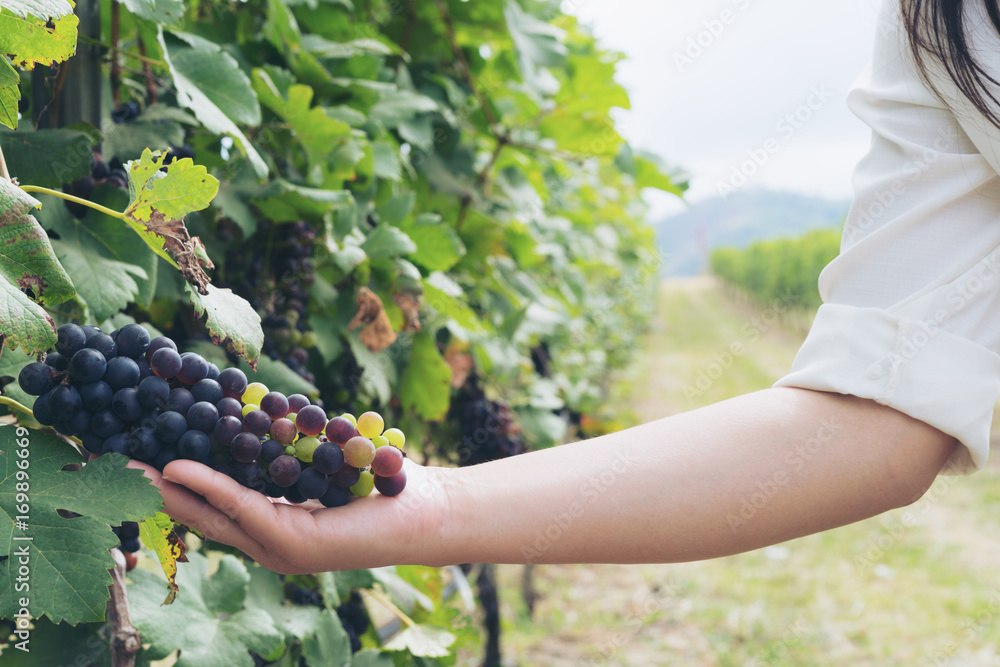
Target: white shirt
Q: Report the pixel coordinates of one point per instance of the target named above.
(911, 313)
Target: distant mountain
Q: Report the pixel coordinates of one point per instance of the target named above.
(738, 221)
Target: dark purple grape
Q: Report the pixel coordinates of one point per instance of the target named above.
(143, 444)
(57, 361)
(170, 426)
(70, 340)
(41, 411)
(340, 430)
(274, 404)
(312, 483)
(271, 489)
(193, 445)
(346, 477)
(180, 400)
(131, 544)
(121, 372)
(387, 462)
(92, 442)
(145, 370)
(89, 330)
(87, 366)
(64, 401)
(227, 428)
(231, 407)
(270, 450)
(125, 404)
(335, 496)
(159, 343)
(165, 456)
(311, 420)
(133, 340)
(245, 447)
(285, 470)
(37, 378)
(75, 424)
(165, 363)
(391, 486)
(153, 392)
(193, 368)
(103, 343)
(202, 417)
(117, 443)
(106, 423)
(207, 390)
(328, 458)
(292, 495)
(257, 422)
(249, 474)
(213, 372)
(233, 382)
(297, 401)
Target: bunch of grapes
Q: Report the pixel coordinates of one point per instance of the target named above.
(352, 613)
(112, 172)
(124, 393)
(487, 428)
(128, 536)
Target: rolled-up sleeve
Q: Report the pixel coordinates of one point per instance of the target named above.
(911, 307)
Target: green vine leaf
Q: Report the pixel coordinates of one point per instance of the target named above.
(157, 533)
(23, 323)
(423, 641)
(230, 320)
(42, 9)
(426, 384)
(48, 158)
(10, 93)
(32, 40)
(69, 558)
(329, 646)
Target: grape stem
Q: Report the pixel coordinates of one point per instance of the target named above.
(388, 604)
(10, 402)
(78, 200)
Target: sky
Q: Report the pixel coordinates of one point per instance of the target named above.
(741, 93)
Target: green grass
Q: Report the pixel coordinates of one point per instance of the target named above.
(916, 586)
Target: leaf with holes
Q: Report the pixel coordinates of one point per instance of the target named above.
(23, 323)
(42, 9)
(231, 321)
(68, 558)
(31, 40)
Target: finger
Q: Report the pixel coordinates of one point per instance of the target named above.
(192, 510)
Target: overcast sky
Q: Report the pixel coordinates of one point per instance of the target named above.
(712, 84)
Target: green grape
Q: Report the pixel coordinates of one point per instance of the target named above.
(249, 407)
(290, 450)
(350, 417)
(254, 392)
(370, 424)
(380, 441)
(364, 485)
(395, 437)
(304, 448)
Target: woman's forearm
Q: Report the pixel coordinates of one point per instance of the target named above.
(751, 471)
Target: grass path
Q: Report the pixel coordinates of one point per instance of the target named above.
(918, 586)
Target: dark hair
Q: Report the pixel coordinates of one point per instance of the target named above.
(936, 28)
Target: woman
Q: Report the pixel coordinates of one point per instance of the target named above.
(896, 381)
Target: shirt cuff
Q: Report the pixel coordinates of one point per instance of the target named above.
(910, 365)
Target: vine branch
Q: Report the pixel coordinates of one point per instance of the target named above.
(124, 637)
(388, 604)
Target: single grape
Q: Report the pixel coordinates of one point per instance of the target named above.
(125, 404)
(349, 417)
(180, 400)
(92, 442)
(105, 423)
(257, 422)
(227, 428)
(229, 407)
(359, 452)
(121, 372)
(298, 401)
(153, 392)
(57, 361)
(285, 470)
(131, 545)
(254, 392)
(328, 458)
(170, 426)
(70, 340)
(64, 400)
(271, 489)
(194, 368)
(311, 420)
(274, 404)
(346, 477)
(380, 441)
(250, 475)
(304, 448)
(129, 529)
(166, 363)
(133, 340)
(340, 430)
(312, 483)
(245, 447)
(270, 450)
(193, 445)
(370, 424)
(96, 396)
(395, 437)
(75, 424)
(89, 330)
(117, 443)
(144, 369)
(165, 456)
(363, 487)
(248, 408)
(202, 417)
(290, 450)
(213, 372)
(387, 462)
(233, 382)
(391, 486)
(292, 495)
(159, 343)
(41, 411)
(207, 390)
(37, 378)
(87, 366)
(335, 496)
(283, 430)
(103, 343)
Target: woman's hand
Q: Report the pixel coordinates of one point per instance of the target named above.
(294, 539)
